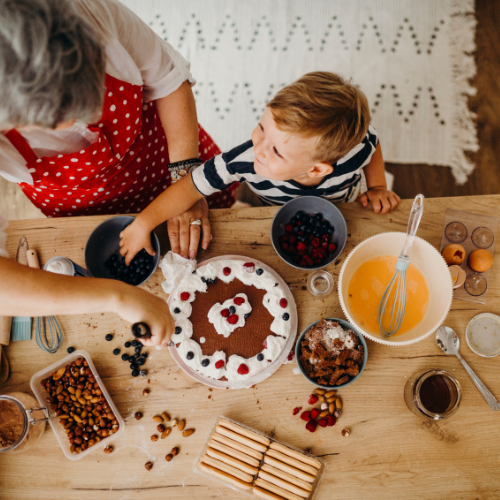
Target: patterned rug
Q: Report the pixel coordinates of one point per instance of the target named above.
(412, 58)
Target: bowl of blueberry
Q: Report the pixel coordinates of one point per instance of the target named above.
(103, 259)
(308, 232)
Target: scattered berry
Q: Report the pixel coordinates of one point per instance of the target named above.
(190, 355)
(71, 349)
(127, 344)
(135, 343)
(238, 300)
(314, 413)
(125, 356)
(311, 426)
(283, 303)
(135, 373)
(134, 366)
(109, 337)
(313, 398)
(296, 410)
(185, 296)
(346, 432)
(226, 271)
(330, 420)
(178, 330)
(116, 352)
(322, 422)
(233, 319)
(305, 415)
(138, 349)
(259, 272)
(249, 267)
(260, 357)
(243, 369)
(225, 313)
(220, 364)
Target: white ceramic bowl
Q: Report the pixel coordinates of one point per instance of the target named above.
(430, 263)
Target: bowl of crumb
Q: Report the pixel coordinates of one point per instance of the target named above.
(331, 354)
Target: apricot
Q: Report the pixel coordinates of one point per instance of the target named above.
(480, 260)
(454, 254)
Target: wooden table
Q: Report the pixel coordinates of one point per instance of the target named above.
(390, 454)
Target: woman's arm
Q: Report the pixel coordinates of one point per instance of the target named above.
(32, 292)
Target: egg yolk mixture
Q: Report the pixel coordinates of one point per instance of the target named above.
(368, 284)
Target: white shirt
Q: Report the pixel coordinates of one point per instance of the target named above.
(135, 54)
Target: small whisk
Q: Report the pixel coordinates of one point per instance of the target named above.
(397, 285)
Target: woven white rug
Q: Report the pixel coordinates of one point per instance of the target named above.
(412, 58)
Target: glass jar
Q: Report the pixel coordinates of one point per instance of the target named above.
(433, 394)
(19, 430)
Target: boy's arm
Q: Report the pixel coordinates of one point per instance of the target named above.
(173, 201)
(383, 200)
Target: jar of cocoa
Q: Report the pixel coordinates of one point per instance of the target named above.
(19, 428)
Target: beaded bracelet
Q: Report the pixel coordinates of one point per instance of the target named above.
(181, 168)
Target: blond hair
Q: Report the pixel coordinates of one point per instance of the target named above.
(323, 105)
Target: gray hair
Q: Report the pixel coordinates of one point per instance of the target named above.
(52, 64)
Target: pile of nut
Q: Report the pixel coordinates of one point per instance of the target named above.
(326, 415)
(76, 398)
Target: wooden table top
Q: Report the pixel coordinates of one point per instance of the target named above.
(390, 454)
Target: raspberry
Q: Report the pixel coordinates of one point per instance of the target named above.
(324, 245)
(325, 237)
(321, 252)
(284, 238)
(226, 271)
(322, 422)
(305, 415)
(233, 319)
(314, 413)
(313, 398)
(303, 263)
(289, 228)
(330, 420)
(318, 261)
(249, 267)
(311, 236)
(284, 246)
(243, 369)
(292, 239)
(185, 296)
(296, 410)
(299, 223)
(264, 344)
(301, 246)
(238, 300)
(220, 364)
(283, 303)
(331, 247)
(290, 355)
(311, 426)
(225, 313)
(315, 242)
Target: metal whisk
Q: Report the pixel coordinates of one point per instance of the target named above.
(397, 285)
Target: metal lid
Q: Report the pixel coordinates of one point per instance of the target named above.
(483, 335)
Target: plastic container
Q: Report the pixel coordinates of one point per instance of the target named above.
(41, 395)
(197, 470)
(483, 335)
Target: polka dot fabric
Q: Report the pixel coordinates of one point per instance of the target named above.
(123, 171)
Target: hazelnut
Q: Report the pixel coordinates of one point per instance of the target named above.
(148, 465)
(138, 415)
(160, 428)
(154, 437)
(337, 413)
(175, 451)
(108, 449)
(168, 457)
(346, 432)
(145, 392)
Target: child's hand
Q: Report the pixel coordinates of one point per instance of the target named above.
(383, 200)
(133, 239)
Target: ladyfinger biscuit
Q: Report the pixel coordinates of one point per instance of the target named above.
(276, 489)
(225, 477)
(287, 477)
(228, 469)
(292, 461)
(233, 453)
(296, 454)
(232, 461)
(288, 468)
(237, 446)
(259, 492)
(245, 432)
(241, 439)
(283, 484)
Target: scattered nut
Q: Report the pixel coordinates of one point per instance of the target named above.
(338, 404)
(321, 399)
(331, 399)
(108, 449)
(148, 465)
(329, 394)
(174, 422)
(337, 413)
(138, 415)
(320, 391)
(166, 416)
(324, 406)
(188, 432)
(181, 425)
(346, 432)
(168, 457)
(175, 451)
(166, 432)
(323, 414)
(331, 407)
(160, 428)
(158, 418)
(154, 437)
(145, 392)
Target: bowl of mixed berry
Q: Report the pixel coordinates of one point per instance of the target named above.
(308, 232)
(103, 259)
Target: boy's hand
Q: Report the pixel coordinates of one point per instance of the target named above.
(133, 239)
(383, 200)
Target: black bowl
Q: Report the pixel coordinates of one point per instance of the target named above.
(310, 205)
(104, 241)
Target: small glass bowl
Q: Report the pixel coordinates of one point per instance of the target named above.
(475, 284)
(320, 283)
(482, 237)
(456, 232)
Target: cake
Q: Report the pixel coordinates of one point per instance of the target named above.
(232, 318)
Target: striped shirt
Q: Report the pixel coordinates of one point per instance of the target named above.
(237, 165)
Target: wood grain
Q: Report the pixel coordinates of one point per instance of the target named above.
(390, 454)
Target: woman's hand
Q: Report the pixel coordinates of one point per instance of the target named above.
(136, 305)
(184, 238)
(134, 238)
(383, 200)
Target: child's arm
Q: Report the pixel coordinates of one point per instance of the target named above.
(383, 200)
(173, 201)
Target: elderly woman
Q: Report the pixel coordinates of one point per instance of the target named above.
(98, 113)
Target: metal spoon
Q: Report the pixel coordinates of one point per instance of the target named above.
(448, 341)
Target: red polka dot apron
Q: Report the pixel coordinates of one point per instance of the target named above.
(122, 171)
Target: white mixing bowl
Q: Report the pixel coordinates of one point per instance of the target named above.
(429, 262)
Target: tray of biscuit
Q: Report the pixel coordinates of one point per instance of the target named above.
(251, 462)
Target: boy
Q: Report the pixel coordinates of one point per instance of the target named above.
(314, 138)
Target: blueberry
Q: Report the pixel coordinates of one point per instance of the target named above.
(135, 373)
(194, 272)
(205, 362)
(178, 330)
(318, 216)
(312, 221)
(116, 352)
(259, 272)
(71, 349)
(141, 259)
(125, 356)
(113, 257)
(109, 337)
(140, 361)
(260, 356)
(177, 310)
(138, 349)
(212, 281)
(286, 316)
(190, 355)
(203, 279)
(330, 230)
(232, 310)
(143, 373)
(135, 343)
(296, 229)
(300, 215)
(246, 315)
(127, 344)
(144, 355)
(293, 220)
(317, 224)
(134, 366)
